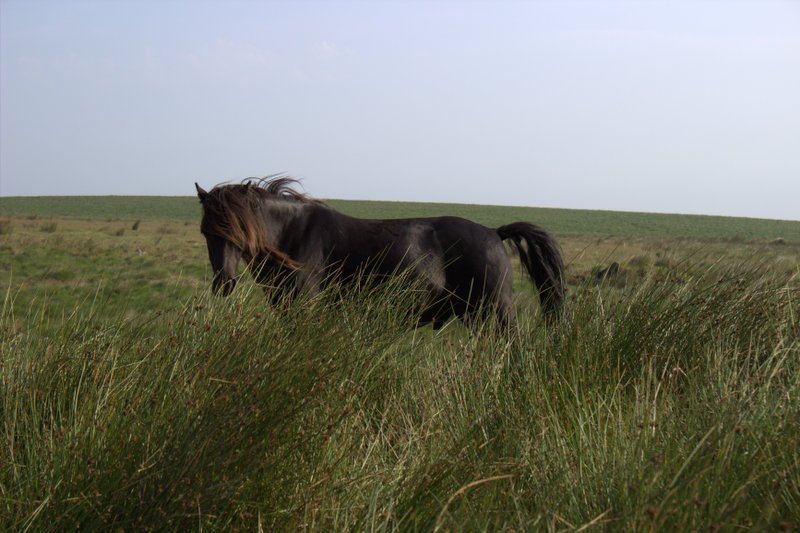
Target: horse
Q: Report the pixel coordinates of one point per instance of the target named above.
(305, 244)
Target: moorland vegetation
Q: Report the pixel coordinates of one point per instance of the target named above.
(131, 399)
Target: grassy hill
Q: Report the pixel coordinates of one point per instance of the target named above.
(561, 221)
(667, 399)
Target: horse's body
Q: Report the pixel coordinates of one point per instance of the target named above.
(290, 239)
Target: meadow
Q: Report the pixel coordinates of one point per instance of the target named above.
(132, 399)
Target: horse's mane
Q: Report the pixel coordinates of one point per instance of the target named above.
(277, 187)
(233, 212)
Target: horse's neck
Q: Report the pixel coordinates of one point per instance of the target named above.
(280, 216)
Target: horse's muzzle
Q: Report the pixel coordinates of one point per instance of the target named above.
(222, 281)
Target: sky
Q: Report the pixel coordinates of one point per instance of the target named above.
(654, 106)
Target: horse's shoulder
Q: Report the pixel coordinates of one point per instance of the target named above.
(322, 211)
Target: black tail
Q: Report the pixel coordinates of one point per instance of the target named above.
(542, 259)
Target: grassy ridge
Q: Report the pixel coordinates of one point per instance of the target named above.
(561, 221)
(128, 208)
(586, 222)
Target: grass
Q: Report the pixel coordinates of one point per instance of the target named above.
(585, 222)
(157, 266)
(671, 405)
(185, 209)
(133, 400)
(110, 208)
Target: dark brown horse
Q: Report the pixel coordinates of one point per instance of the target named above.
(294, 241)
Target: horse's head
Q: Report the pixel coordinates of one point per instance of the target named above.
(223, 254)
(224, 258)
(238, 223)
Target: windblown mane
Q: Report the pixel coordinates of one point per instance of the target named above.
(233, 212)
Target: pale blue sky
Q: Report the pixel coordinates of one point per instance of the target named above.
(665, 106)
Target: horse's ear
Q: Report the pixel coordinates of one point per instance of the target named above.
(200, 192)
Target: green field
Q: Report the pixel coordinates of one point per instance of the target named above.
(561, 221)
(131, 399)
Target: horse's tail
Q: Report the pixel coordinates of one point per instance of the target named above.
(542, 259)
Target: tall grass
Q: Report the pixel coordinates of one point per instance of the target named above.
(673, 404)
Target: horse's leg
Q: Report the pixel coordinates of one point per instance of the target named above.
(435, 307)
(310, 278)
(505, 312)
(497, 290)
(436, 315)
